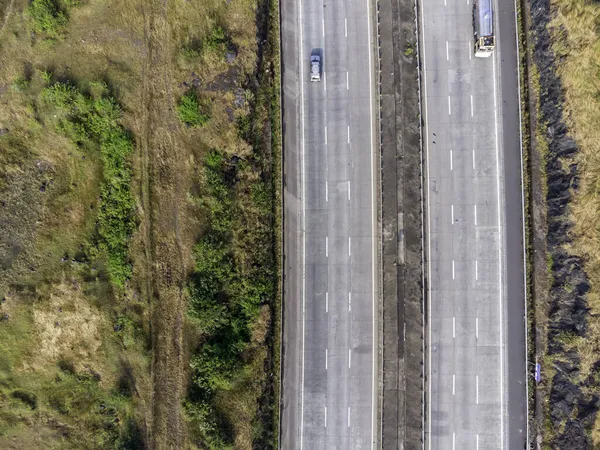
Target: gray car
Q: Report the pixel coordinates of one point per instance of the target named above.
(315, 68)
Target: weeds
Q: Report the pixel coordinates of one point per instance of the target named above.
(94, 124)
(191, 111)
(48, 18)
(232, 279)
(217, 42)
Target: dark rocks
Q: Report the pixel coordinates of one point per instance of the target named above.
(230, 56)
(571, 411)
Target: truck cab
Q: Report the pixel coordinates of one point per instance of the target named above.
(315, 68)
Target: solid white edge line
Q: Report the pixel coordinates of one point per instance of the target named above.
(517, 62)
(426, 395)
(303, 190)
(500, 272)
(374, 227)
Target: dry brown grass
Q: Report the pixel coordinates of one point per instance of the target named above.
(57, 310)
(577, 44)
(135, 47)
(576, 41)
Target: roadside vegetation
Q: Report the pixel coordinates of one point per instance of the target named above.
(566, 52)
(234, 291)
(140, 211)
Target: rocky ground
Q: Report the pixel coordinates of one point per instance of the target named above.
(569, 401)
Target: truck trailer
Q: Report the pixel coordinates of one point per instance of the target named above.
(483, 28)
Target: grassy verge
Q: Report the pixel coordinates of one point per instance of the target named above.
(97, 274)
(277, 150)
(235, 290)
(69, 342)
(577, 45)
(576, 48)
(74, 364)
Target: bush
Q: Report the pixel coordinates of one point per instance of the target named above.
(94, 123)
(232, 278)
(47, 17)
(28, 398)
(192, 112)
(217, 42)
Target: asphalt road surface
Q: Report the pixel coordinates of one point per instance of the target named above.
(330, 228)
(476, 306)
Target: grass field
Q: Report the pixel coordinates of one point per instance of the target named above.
(108, 113)
(576, 44)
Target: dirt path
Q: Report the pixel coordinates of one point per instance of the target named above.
(163, 186)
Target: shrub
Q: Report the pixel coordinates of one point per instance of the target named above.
(217, 41)
(47, 17)
(94, 122)
(28, 398)
(192, 112)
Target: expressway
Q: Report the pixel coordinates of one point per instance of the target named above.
(476, 336)
(330, 285)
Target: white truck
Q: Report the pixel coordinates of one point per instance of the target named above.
(483, 24)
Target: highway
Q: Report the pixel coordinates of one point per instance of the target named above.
(330, 238)
(476, 308)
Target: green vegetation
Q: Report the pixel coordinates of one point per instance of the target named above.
(217, 41)
(99, 238)
(191, 111)
(233, 278)
(93, 123)
(49, 17)
(234, 291)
